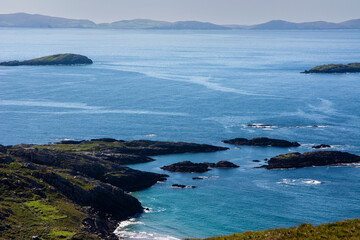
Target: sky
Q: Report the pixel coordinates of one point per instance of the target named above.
(217, 11)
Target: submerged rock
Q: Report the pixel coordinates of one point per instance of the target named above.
(222, 164)
(321, 146)
(58, 59)
(262, 141)
(309, 159)
(182, 186)
(187, 167)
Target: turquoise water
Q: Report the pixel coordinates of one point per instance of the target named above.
(204, 87)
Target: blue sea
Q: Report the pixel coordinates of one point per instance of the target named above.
(203, 87)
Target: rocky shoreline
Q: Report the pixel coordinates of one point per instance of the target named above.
(79, 187)
(82, 186)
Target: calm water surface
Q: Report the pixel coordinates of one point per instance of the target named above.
(198, 86)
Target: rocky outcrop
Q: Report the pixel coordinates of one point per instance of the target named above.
(182, 186)
(262, 141)
(58, 59)
(321, 146)
(102, 169)
(187, 167)
(309, 159)
(335, 68)
(222, 164)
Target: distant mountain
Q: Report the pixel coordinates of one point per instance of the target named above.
(135, 24)
(195, 25)
(41, 21)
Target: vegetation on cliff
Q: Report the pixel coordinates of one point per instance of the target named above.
(345, 230)
(75, 189)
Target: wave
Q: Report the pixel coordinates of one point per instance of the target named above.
(123, 231)
(299, 182)
(47, 104)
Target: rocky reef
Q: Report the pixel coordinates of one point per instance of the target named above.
(190, 167)
(58, 59)
(309, 159)
(187, 167)
(262, 141)
(75, 190)
(321, 146)
(222, 164)
(335, 68)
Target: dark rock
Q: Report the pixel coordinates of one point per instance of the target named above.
(308, 159)
(58, 59)
(197, 178)
(335, 68)
(71, 142)
(122, 158)
(152, 148)
(182, 186)
(321, 146)
(256, 160)
(222, 164)
(187, 167)
(103, 140)
(262, 141)
(3, 149)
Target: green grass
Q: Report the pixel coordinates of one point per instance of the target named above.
(45, 211)
(56, 234)
(346, 230)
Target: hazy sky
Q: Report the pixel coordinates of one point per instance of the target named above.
(217, 11)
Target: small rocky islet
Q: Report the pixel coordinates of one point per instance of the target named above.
(57, 59)
(262, 141)
(190, 167)
(335, 68)
(309, 159)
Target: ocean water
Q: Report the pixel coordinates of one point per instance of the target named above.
(204, 87)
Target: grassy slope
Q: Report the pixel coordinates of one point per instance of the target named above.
(30, 207)
(347, 230)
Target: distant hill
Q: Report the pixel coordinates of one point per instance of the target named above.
(41, 21)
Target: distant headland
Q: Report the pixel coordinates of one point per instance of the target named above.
(25, 20)
(335, 68)
(57, 59)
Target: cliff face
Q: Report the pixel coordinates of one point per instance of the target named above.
(58, 59)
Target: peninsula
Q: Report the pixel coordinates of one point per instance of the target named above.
(57, 59)
(58, 191)
(335, 68)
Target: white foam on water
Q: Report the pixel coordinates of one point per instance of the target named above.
(95, 111)
(47, 104)
(123, 231)
(299, 182)
(150, 135)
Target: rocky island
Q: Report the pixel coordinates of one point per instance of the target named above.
(58, 59)
(335, 68)
(190, 167)
(309, 159)
(262, 141)
(76, 190)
